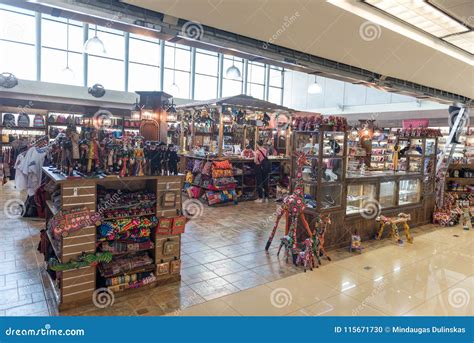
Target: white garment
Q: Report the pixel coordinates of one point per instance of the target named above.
(30, 168)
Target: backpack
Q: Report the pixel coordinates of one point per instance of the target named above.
(23, 120)
(38, 121)
(265, 164)
(8, 119)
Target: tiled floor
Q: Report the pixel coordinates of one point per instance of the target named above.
(227, 272)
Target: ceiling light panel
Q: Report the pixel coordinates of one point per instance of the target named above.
(421, 15)
(463, 41)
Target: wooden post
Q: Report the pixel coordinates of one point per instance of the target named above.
(256, 138)
(182, 148)
(221, 134)
(245, 137)
(193, 134)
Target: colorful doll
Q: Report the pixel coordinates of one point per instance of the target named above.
(139, 157)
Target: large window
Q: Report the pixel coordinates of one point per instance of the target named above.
(60, 48)
(232, 86)
(206, 75)
(177, 75)
(275, 85)
(185, 72)
(256, 80)
(108, 70)
(144, 65)
(17, 42)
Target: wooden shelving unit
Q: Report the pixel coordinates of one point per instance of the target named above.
(76, 286)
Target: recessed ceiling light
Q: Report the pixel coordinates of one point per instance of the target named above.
(421, 15)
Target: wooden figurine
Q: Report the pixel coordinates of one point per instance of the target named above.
(306, 257)
(293, 209)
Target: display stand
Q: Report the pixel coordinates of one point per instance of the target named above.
(76, 287)
(355, 199)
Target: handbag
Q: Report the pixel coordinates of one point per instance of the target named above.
(38, 121)
(8, 119)
(23, 120)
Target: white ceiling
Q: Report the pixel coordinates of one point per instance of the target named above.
(325, 30)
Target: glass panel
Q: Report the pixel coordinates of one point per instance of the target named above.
(17, 27)
(331, 170)
(387, 196)
(331, 196)
(143, 78)
(20, 60)
(274, 95)
(114, 43)
(333, 144)
(206, 64)
(256, 73)
(231, 87)
(53, 63)
(256, 90)
(109, 73)
(144, 52)
(358, 197)
(430, 145)
(183, 57)
(409, 192)
(182, 79)
(54, 35)
(307, 143)
(276, 77)
(205, 87)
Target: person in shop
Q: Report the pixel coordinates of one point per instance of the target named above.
(262, 172)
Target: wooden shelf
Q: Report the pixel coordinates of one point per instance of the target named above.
(143, 269)
(51, 207)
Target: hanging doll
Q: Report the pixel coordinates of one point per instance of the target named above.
(173, 159)
(396, 151)
(74, 137)
(123, 160)
(66, 155)
(93, 153)
(163, 158)
(138, 156)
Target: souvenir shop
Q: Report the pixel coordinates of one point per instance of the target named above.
(110, 183)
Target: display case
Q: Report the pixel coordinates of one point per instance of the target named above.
(324, 175)
(356, 197)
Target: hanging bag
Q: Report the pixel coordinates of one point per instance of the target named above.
(23, 120)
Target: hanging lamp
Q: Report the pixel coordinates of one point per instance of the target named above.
(67, 73)
(94, 45)
(315, 88)
(233, 72)
(174, 89)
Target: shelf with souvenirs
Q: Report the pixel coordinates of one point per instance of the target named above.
(113, 218)
(228, 129)
(355, 193)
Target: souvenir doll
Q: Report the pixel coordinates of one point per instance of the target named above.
(173, 159)
(302, 124)
(74, 137)
(396, 150)
(123, 160)
(162, 156)
(139, 157)
(93, 153)
(83, 154)
(66, 155)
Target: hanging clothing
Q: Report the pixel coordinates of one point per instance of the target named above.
(30, 167)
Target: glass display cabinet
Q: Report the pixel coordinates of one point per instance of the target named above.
(387, 194)
(323, 177)
(358, 196)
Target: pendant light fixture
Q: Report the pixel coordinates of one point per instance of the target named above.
(174, 89)
(315, 88)
(95, 45)
(233, 72)
(67, 73)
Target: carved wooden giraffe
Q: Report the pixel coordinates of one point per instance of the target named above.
(293, 209)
